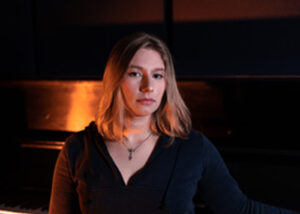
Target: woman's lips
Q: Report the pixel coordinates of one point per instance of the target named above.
(146, 101)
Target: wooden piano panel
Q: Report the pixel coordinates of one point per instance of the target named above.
(71, 105)
(60, 105)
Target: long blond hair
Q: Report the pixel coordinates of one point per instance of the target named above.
(172, 118)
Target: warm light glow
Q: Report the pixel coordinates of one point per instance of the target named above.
(206, 10)
(80, 12)
(11, 212)
(83, 105)
(61, 105)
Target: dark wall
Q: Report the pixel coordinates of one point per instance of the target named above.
(17, 41)
(72, 39)
(240, 47)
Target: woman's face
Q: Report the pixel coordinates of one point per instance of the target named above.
(143, 84)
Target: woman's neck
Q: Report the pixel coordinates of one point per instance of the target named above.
(137, 126)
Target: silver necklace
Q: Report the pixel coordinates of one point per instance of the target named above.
(132, 150)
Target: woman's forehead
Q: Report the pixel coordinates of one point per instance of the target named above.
(146, 57)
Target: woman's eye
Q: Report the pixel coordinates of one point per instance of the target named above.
(134, 74)
(158, 76)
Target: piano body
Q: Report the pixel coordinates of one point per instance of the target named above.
(254, 124)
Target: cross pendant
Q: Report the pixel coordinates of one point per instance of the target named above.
(130, 153)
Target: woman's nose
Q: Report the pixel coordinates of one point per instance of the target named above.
(146, 85)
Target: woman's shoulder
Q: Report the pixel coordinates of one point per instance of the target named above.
(196, 142)
(75, 141)
(196, 137)
(74, 144)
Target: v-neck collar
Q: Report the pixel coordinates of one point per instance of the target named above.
(160, 145)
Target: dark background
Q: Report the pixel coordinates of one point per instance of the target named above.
(243, 56)
(71, 39)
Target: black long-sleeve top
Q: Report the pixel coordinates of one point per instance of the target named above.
(86, 180)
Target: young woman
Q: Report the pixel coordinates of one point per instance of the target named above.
(141, 155)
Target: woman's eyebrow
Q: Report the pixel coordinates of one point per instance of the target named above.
(141, 68)
(135, 66)
(159, 69)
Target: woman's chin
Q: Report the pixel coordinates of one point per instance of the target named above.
(144, 113)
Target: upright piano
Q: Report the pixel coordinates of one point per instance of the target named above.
(253, 122)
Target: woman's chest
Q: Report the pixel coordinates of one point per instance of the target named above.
(129, 161)
(168, 178)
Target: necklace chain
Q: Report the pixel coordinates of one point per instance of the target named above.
(132, 150)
